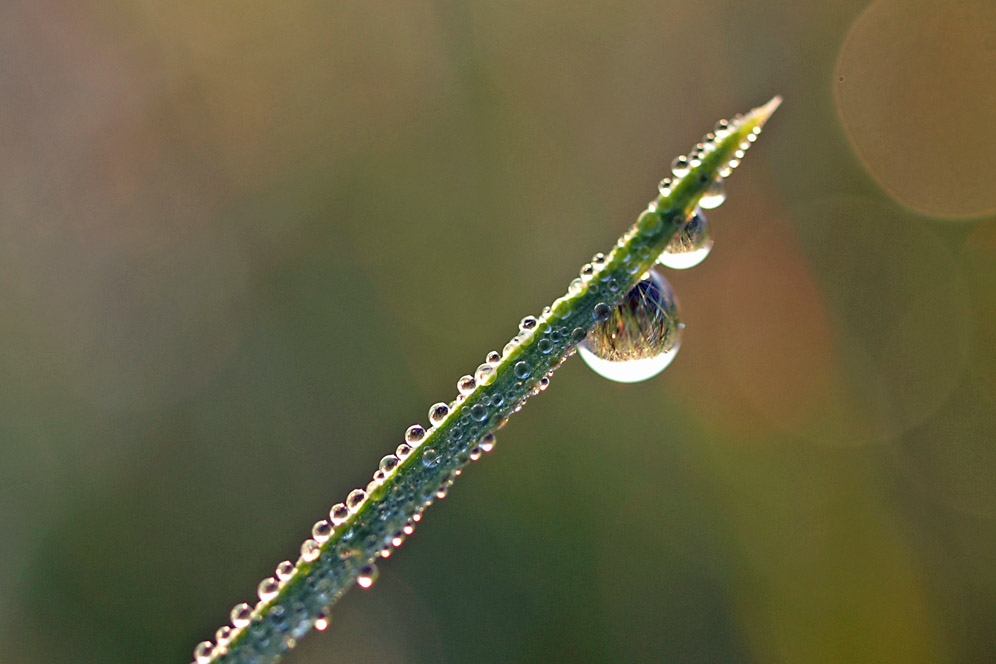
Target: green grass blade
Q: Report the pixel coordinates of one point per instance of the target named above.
(394, 501)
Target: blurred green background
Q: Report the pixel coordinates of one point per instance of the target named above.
(246, 244)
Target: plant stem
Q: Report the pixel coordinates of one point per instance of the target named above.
(380, 518)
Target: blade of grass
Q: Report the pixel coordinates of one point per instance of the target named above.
(374, 520)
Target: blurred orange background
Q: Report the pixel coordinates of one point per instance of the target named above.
(244, 245)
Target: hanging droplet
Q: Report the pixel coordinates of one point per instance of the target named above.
(403, 451)
(223, 634)
(488, 442)
(438, 413)
(267, 589)
(714, 195)
(322, 621)
(640, 337)
(690, 245)
(680, 167)
(367, 576)
(240, 615)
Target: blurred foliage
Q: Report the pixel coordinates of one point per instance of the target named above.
(245, 244)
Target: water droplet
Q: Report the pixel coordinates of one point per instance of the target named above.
(680, 166)
(338, 514)
(664, 187)
(690, 245)
(479, 412)
(714, 195)
(367, 576)
(527, 323)
(389, 463)
(285, 570)
(310, 550)
(414, 434)
(601, 312)
(521, 370)
(322, 530)
(485, 373)
(203, 651)
(431, 457)
(587, 270)
(578, 335)
(488, 442)
(545, 345)
(223, 634)
(641, 336)
(438, 413)
(240, 615)
(403, 451)
(267, 589)
(322, 622)
(355, 499)
(466, 385)
(575, 287)
(493, 358)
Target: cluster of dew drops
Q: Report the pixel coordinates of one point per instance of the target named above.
(641, 336)
(632, 341)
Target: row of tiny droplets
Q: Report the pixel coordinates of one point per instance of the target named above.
(595, 280)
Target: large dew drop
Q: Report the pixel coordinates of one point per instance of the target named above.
(640, 337)
(690, 245)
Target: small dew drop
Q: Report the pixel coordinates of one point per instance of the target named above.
(338, 514)
(575, 287)
(355, 499)
(587, 270)
(493, 358)
(544, 346)
(267, 589)
(521, 370)
(322, 531)
(466, 385)
(664, 187)
(367, 576)
(680, 166)
(485, 374)
(223, 634)
(527, 323)
(479, 412)
(601, 312)
(714, 196)
(438, 413)
(203, 651)
(640, 337)
(322, 622)
(690, 245)
(310, 550)
(431, 457)
(240, 615)
(487, 442)
(389, 463)
(414, 434)
(285, 570)
(403, 451)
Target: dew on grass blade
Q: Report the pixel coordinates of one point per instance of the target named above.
(640, 337)
(690, 245)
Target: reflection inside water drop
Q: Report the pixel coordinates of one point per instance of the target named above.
(640, 337)
(690, 245)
